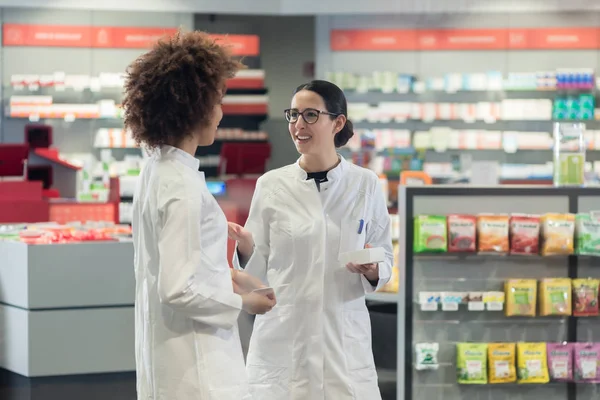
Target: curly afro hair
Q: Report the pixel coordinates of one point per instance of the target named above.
(171, 90)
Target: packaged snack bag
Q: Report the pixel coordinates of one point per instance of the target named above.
(524, 234)
(587, 232)
(430, 234)
(492, 233)
(560, 361)
(555, 296)
(587, 362)
(426, 356)
(558, 231)
(462, 233)
(502, 358)
(532, 363)
(585, 297)
(521, 296)
(471, 363)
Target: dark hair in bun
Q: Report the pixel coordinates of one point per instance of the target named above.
(335, 102)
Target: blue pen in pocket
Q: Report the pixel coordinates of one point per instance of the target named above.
(361, 226)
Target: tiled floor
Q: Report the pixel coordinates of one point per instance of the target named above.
(85, 387)
(91, 387)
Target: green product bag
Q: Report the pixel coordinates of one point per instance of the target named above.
(587, 232)
(471, 363)
(430, 234)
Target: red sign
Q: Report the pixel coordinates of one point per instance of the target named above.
(465, 39)
(462, 39)
(46, 35)
(128, 38)
(109, 37)
(391, 39)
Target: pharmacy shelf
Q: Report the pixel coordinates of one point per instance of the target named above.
(381, 297)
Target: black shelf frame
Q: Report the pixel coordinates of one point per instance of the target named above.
(572, 193)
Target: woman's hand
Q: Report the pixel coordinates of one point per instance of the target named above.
(243, 237)
(244, 283)
(370, 271)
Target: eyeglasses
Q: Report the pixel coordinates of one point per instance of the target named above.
(309, 115)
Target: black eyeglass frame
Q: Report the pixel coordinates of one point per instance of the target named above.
(319, 112)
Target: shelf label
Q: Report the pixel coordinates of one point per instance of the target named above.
(69, 117)
(476, 306)
(495, 306)
(449, 306)
(34, 118)
(429, 306)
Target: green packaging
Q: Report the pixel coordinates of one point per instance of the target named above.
(430, 234)
(471, 363)
(587, 235)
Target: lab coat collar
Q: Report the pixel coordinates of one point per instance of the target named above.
(333, 174)
(170, 152)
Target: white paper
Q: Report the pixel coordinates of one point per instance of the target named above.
(429, 306)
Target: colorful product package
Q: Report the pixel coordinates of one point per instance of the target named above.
(502, 358)
(471, 363)
(587, 362)
(532, 364)
(587, 232)
(430, 234)
(521, 296)
(524, 234)
(560, 361)
(558, 232)
(492, 233)
(555, 296)
(462, 233)
(426, 356)
(585, 297)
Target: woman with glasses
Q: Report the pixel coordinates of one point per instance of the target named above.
(316, 343)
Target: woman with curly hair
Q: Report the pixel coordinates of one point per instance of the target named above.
(187, 304)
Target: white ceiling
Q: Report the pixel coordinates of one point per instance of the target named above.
(314, 7)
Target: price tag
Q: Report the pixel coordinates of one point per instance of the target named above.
(59, 87)
(19, 87)
(449, 306)
(429, 306)
(495, 306)
(34, 118)
(69, 117)
(34, 87)
(476, 306)
(468, 120)
(78, 88)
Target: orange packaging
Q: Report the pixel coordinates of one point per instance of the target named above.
(492, 233)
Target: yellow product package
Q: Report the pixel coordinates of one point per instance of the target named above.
(521, 297)
(532, 363)
(558, 234)
(555, 296)
(502, 357)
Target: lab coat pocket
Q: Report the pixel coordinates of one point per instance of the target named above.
(357, 340)
(271, 340)
(281, 239)
(352, 234)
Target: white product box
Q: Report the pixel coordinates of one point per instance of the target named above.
(365, 256)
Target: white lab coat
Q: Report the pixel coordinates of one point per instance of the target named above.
(186, 335)
(316, 343)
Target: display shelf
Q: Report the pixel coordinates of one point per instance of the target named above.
(382, 297)
(464, 272)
